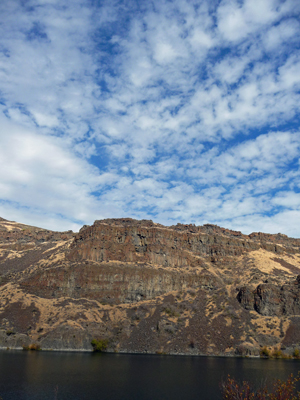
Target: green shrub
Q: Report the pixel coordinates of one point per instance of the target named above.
(264, 353)
(296, 353)
(171, 312)
(32, 346)
(99, 345)
(277, 354)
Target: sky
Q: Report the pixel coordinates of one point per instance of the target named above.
(171, 110)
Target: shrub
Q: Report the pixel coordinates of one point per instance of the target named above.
(277, 354)
(171, 312)
(32, 346)
(296, 353)
(99, 345)
(279, 390)
(286, 356)
(264, 353)
(231, 390)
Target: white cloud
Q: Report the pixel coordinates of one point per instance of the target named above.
(170, 110)
(287, 199)
(237, 20)
(286, 31)
(164, 53)
(41, 173)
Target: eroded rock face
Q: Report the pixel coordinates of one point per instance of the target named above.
(271, 300)
(113, 283)
(267, 300)
(246, 298)
(143, 241)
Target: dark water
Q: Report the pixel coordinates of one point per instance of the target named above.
(77, 376)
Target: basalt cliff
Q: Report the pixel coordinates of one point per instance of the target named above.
(142, 287)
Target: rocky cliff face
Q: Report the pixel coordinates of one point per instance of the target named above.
(111, 283)
(175, 246)
(272, 300)
(145, 287)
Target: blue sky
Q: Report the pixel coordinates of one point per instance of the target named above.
(177, 111)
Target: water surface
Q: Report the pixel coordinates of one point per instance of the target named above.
(78, 376)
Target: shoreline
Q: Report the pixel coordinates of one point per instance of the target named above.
(50, 350)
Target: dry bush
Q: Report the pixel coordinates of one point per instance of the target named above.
(279, 390)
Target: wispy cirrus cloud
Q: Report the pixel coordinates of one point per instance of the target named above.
(174, 111)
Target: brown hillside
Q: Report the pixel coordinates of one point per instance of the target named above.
(144, 287)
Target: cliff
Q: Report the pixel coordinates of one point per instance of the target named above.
(148, 288)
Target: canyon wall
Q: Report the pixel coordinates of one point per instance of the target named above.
(144, 287)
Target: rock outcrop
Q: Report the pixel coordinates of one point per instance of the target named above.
(272, 300)
(143, 241)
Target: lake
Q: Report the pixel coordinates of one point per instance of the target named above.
(77, 376)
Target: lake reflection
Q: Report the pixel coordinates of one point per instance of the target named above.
(77, 376)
